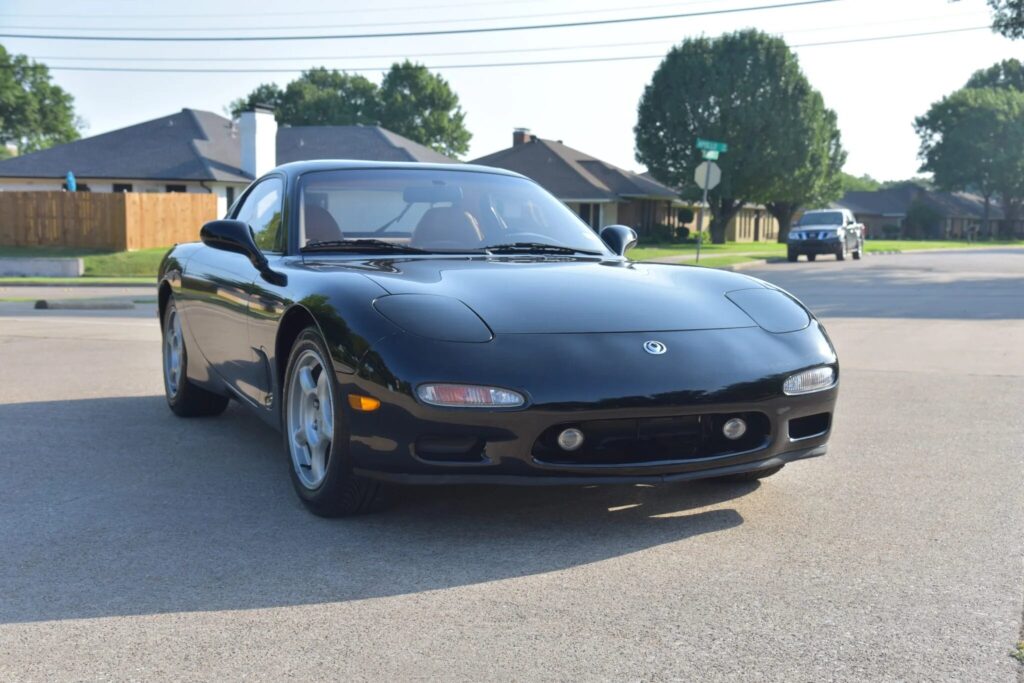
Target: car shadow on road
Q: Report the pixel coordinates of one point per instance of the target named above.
(112, 506)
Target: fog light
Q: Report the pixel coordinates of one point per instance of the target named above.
(469, 396)
(734, 428)
(808, 381)
(570, 439)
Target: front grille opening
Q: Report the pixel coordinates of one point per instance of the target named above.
(811, 425)
(457, 449)
(682, 437)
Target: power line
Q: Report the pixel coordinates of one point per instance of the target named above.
(587, 60)
(410, 34)
(418, 22)
(234, 15)
(404, 55)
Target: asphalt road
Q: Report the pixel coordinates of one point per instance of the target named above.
(134, 545)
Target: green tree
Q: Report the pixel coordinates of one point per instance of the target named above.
(1008, 17)
(266, 94)
(747, 89)
(818, 179)
(1008, 73)
(35, 113)
(971, 140)
(862, 183)
(411, 101)
(319, 97)
(423, 107)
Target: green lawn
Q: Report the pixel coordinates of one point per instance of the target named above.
(749, 251)
(139, 267)
(98, 264)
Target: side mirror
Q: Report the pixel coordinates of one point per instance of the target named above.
(619, 238)
(236, 236)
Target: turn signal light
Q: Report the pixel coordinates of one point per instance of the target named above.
(469, 396)
(808, 381)
(363, 404)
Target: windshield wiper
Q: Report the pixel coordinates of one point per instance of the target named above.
(537, 248)
(372, 245)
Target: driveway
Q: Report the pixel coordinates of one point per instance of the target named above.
(135, 545)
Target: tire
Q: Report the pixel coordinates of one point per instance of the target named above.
(184, 398)
(859, 252)
(792, 256)
(316, 440)
(811, 257)
(841, 254)
(753, 475)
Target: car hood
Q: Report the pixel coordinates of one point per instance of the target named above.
(549, 296)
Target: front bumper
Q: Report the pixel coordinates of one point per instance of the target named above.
(569, 381)
(442, 478)
(815, 247)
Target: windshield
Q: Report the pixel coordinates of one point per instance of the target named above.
(435, 211)
(822, 218)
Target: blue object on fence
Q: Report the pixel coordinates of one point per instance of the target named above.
(69, 180)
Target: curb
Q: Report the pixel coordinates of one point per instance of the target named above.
(78, 284)
(83, 305)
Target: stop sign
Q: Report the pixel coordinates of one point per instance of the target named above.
(708, 175)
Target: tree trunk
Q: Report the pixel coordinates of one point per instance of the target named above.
(783, 213)
(723, 211)
(984, 216)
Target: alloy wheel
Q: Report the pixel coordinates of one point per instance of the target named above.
(310, 418)
(174, 353)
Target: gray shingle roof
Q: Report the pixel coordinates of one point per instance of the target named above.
(202, 146)
(188, 145)
(364, 143)
(570, 174)
(895, 201)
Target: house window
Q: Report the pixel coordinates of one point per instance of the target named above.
(176, 188)
(229, 194)
(122, 187)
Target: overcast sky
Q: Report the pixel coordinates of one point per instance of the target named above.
(877, 88)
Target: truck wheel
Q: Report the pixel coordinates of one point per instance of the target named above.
(792, 256)
(841, 254)
(811, 257)
(860, 251)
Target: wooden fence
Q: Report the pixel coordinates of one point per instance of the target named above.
(116, 221)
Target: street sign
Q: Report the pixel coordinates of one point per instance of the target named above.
(712, 145)
(710, 154)
(708, 175)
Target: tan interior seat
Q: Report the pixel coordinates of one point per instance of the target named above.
(447, 227)
(320, 225)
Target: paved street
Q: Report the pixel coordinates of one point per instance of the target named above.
(135, 545)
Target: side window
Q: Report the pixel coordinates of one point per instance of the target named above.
(262, 211)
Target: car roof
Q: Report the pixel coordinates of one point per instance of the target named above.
(299, 167)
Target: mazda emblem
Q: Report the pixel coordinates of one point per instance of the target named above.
(655, 348)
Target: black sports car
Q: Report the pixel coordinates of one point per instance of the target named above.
(421, 323)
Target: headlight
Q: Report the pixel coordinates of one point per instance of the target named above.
(469, 396)
(434, 317)
(772, 310)
(808, 381)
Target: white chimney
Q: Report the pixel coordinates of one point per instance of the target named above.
(258, 132)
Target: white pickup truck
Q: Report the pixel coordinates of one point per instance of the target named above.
(826, 231)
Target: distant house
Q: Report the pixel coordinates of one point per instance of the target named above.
(600, 193)
(199, 151)
(752, 223)
(884, 212)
